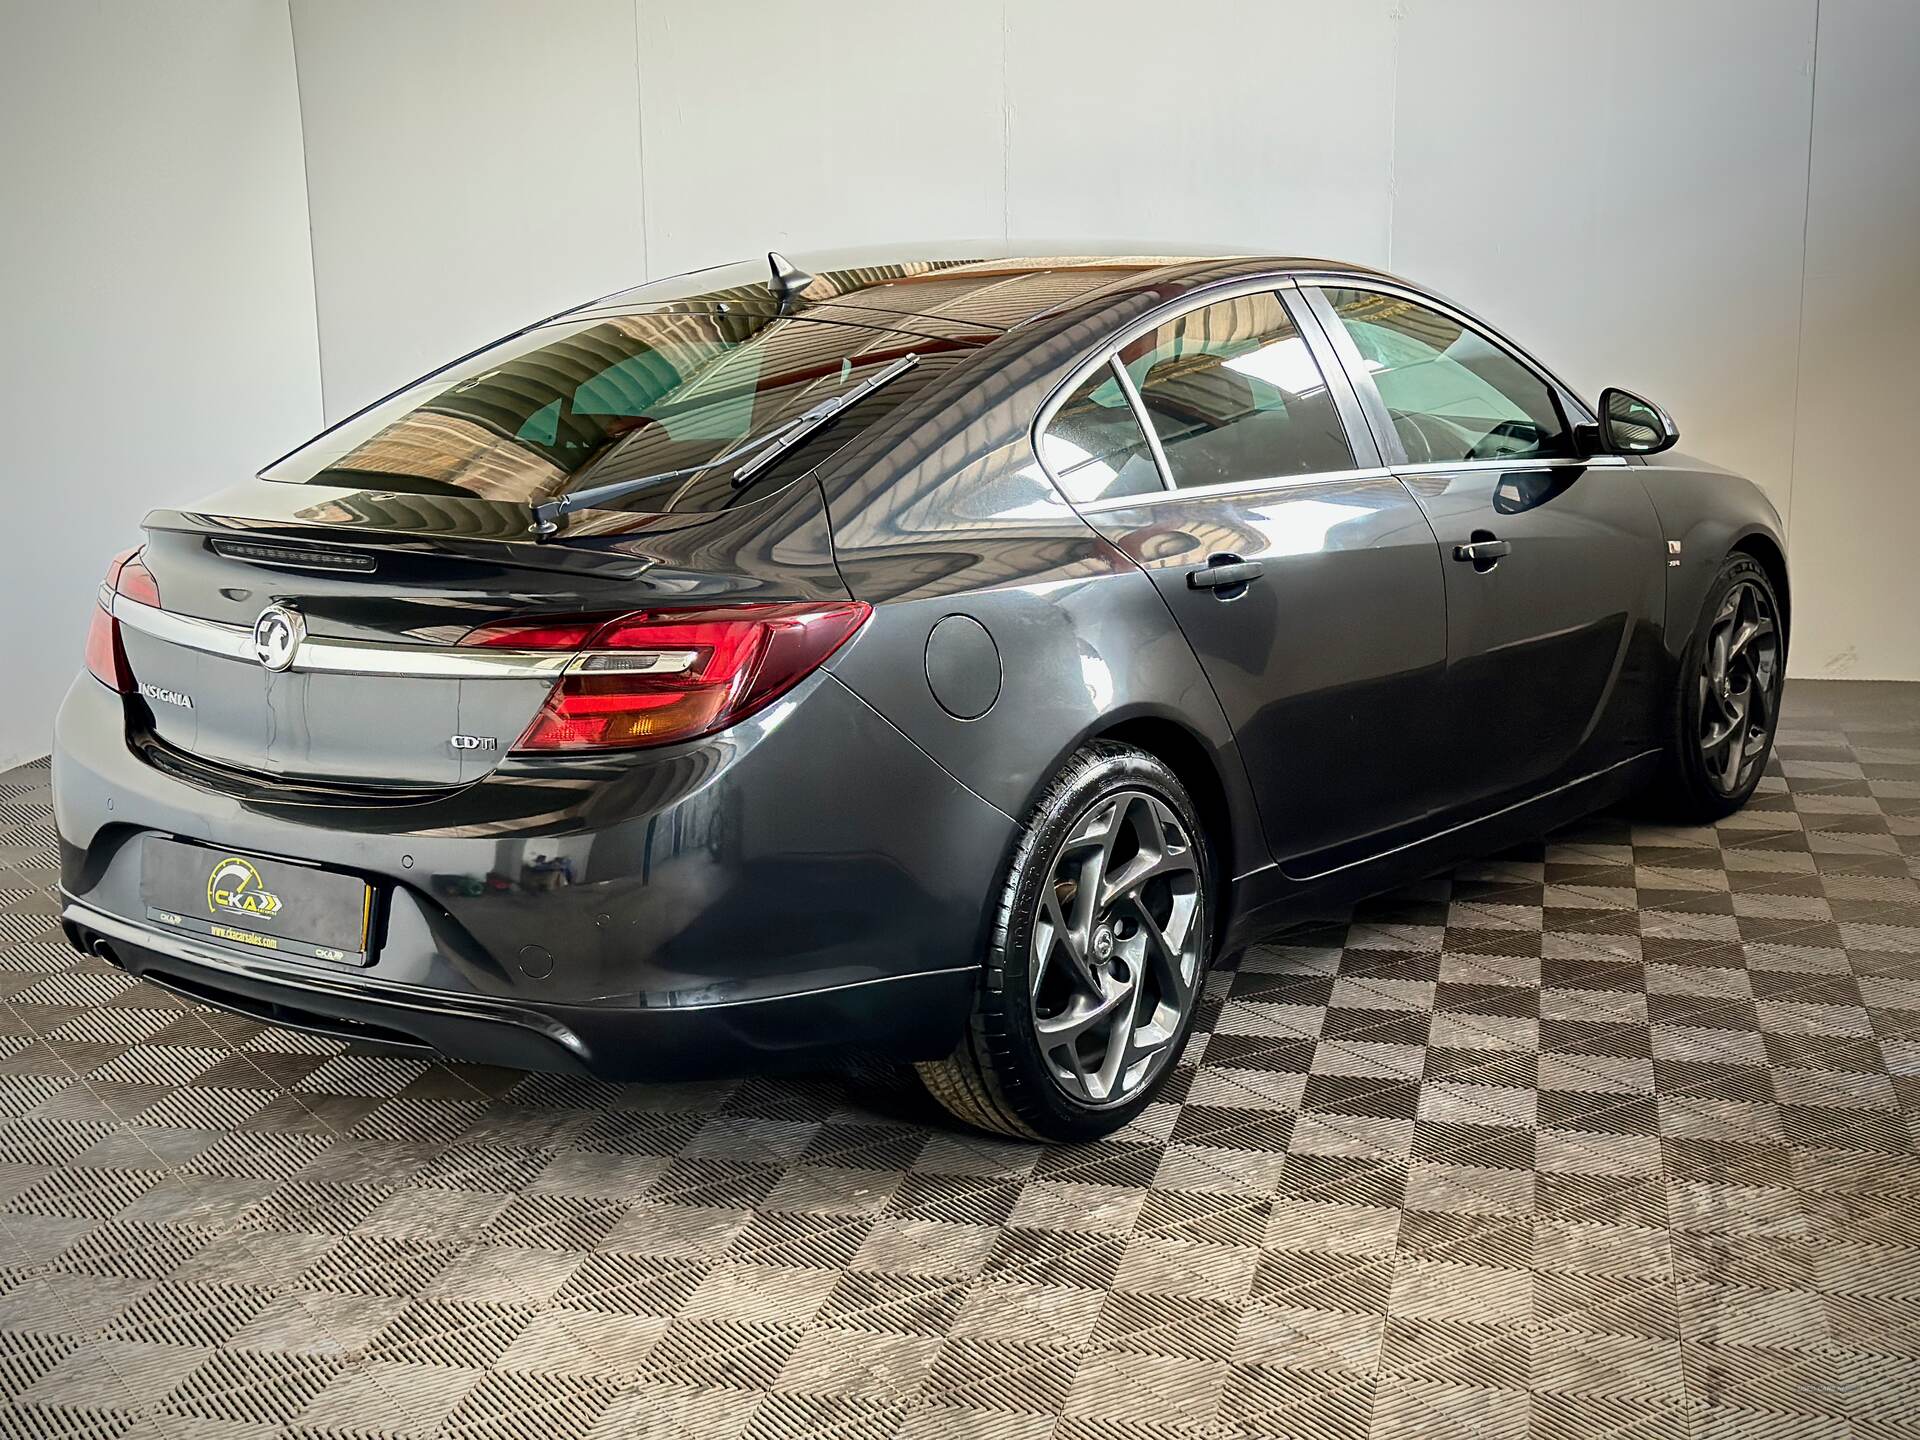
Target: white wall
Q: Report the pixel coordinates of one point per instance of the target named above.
(1855, 524)
(1640, 226)
(156, 291)
(472, 165)
(778, 127)
(1642, 193)
(1264, 124)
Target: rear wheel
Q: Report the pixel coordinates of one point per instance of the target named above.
(1098, 955)
(1728, 704)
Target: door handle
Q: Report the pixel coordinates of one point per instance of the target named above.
(1485, 553)
(1224, 572)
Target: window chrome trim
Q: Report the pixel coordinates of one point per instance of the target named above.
(1141, 418)
(1325, 280)
(349, 657)
(1517, 463)
(1298, 280)
(1265, 486)
(1109, 349)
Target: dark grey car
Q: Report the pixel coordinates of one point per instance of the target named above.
(948, 659)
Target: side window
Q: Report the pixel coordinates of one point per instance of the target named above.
(1094, 445)
(1235, 395)
(1452, 393)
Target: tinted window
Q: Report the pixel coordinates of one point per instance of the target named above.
(1234, 395)
(1453, 394)
(1094, 444)
(578, 404)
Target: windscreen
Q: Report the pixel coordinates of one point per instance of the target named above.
(576, 405)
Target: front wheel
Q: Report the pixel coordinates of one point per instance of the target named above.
(1728, 705)
(1099, 952)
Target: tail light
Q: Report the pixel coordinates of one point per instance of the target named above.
(127, 575)
(659, 676)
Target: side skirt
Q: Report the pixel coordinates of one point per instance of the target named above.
(1269, 898)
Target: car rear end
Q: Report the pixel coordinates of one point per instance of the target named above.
(357, 751)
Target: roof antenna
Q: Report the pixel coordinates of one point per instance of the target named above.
(788, 279)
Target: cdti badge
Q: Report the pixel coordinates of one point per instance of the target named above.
(235, 887)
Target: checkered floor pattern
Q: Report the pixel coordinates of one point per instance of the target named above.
(1613, 1135)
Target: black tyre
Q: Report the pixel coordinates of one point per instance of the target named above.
(1728, 701)
(1099, 952)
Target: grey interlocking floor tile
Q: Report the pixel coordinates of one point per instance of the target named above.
(1617, 1134)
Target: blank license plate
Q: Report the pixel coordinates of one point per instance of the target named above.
(254, 902)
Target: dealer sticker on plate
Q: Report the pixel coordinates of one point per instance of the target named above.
(258, 903)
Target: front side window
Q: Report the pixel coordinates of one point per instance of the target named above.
(1235, 395)
(1094, 446)
(1453, 394)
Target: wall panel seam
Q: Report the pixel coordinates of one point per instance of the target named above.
(1806, 235)
(306, 191)
(640, 146)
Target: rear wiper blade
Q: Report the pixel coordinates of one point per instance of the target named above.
(758, 453)
(816, 419)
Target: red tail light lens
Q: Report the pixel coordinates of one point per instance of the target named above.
(106, 656)
(119, 563)
(660, 676)
(136, 582)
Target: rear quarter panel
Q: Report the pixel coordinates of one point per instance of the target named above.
(946, 511)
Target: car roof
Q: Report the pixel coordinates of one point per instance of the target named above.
(953, 287)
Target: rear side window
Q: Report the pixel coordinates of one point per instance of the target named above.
(1094, 446)
(574, 405)
(1453, 394)
(1235, 395)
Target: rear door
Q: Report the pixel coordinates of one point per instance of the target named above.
(1303, 575)
(1554, 564)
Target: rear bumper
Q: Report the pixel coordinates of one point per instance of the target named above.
(907, 1017)
(807, 882)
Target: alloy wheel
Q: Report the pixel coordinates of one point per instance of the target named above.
(1116, 959)
(1739, 687)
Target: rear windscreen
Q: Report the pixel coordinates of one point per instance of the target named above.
(574, 405)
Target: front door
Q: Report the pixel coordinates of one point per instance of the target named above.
(1310, 587)
(1554, 564)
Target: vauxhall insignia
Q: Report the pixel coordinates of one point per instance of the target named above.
(277, 635)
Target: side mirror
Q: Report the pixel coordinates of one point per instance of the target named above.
(1632, 426)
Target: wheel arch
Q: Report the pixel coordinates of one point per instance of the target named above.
(1200, 769)
(1766, 552)
(1183, 751)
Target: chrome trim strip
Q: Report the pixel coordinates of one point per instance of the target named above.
(1517, 464)
(348, 657)
(233, 642)
(334, 657)
(1234, 487)
(635, 662)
